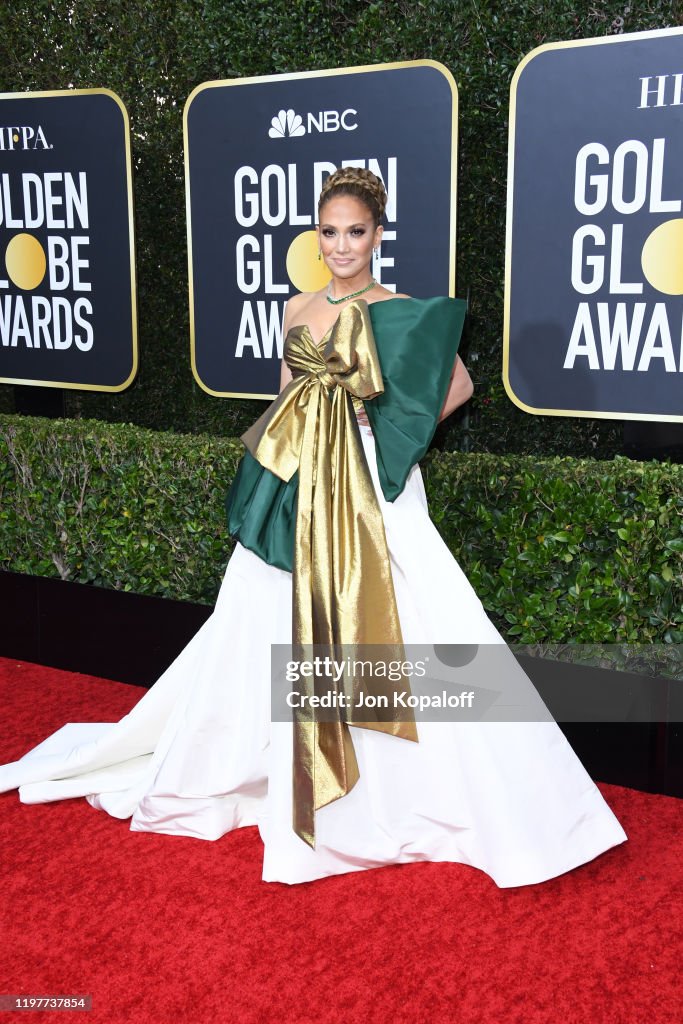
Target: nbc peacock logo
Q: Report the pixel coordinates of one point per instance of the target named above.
(286, 125)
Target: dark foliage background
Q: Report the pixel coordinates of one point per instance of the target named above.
(154, 52)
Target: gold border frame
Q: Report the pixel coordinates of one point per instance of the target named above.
(131, 234)
(590, 414)
(326, 73)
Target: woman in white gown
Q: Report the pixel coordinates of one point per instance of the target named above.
(199, 755)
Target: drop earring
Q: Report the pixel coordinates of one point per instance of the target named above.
(319, 254)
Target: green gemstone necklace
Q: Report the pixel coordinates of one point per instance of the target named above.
(345, 298)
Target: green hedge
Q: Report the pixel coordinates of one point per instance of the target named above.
(154, 52)
(115, 505)
(559, 550)
(565, 550)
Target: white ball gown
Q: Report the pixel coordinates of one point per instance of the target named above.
(198, 755)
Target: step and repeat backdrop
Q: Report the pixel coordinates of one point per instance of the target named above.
(256, 154)
(593, 314)
(594, 262)
(67, 266)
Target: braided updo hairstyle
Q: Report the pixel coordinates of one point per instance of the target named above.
(357, 182)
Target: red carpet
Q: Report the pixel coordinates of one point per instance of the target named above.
(161, 928)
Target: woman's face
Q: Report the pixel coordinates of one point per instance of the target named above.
(347, 236)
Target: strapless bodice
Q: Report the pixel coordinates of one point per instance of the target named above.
(300, 350)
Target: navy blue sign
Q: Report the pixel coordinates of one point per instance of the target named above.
(594, 275)
(67, 275)
(257, 152)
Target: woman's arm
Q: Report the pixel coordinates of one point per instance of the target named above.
(285, 375)
(459, 389)
(285, 372)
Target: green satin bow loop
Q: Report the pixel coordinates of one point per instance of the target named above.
(417, 341)
(261, 512)
(343, 593)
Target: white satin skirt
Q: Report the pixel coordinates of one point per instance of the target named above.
(198, 755)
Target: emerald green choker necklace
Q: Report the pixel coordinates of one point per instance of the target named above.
(345, 298)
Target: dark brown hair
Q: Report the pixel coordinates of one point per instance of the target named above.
(357, 182)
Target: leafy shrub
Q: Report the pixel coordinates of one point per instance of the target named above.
(558, 549)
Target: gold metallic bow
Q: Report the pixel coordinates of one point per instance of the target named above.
(343, 591)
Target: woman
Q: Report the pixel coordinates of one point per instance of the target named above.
(335, 547)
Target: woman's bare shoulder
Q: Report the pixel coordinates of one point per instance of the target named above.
(295, 306)
(299, 300)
